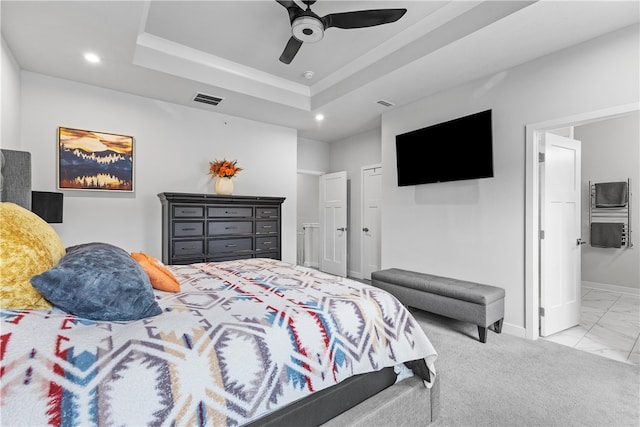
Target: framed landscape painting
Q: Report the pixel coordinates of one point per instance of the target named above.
(89, 160)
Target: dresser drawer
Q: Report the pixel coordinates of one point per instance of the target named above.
(230, 212)
(267, 212)
(188, 229)
(222, 246)
(230, 227)
(266, 227)
(267, 244)
(188, 211)
(193, 248)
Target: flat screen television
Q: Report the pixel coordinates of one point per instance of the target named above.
(455, 150)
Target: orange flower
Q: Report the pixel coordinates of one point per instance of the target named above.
(224, 168)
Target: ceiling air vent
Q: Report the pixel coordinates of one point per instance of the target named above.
(385, 103)
(207, 99)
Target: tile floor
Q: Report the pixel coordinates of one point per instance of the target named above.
(609, 326)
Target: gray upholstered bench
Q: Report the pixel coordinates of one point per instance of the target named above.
(472, 302)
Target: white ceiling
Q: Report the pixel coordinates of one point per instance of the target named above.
(170, 50)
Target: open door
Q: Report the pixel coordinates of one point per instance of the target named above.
(560, 242)
(371, 219)
(333, 223)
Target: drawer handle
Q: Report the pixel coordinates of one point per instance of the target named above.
(267, 226)
(266, 212)
(230, 228)
(266, 243)
(231, 212)
(230, 246)
(189, 211)
(189, 229)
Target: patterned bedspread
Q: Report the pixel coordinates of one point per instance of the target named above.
(241, 339)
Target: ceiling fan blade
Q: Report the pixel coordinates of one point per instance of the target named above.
(290, 50)
(362, 18)
(293, 9)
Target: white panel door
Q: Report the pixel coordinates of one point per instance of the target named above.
(371, 216)
(560, 246)
(333, 223)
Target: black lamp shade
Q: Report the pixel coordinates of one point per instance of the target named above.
(47, 205)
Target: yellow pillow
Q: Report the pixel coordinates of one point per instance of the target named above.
(159, 275)
(28, 246)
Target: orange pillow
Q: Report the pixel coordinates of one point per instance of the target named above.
(159, 275)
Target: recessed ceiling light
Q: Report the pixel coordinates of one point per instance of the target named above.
(92, 57)
(319, 117)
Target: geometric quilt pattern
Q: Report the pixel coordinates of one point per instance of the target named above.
(242, 338)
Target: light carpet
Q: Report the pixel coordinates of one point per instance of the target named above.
(511, 381)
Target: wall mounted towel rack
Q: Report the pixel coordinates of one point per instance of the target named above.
(606, 214)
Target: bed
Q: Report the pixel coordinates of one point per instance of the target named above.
(244, 342)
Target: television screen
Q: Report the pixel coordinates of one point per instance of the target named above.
(455, 150)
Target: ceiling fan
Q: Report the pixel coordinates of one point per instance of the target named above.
(308, 27)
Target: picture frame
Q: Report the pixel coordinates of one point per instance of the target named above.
(95, 161)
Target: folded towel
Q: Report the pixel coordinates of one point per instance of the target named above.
(611, 194)
(606, 234)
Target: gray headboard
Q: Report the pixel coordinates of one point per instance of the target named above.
(15, 177)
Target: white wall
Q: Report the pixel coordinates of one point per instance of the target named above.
(475, 230)
(313, 161)
(173, 147)
(313, 156)
(350, 155)
(611, 152)
(10, 100)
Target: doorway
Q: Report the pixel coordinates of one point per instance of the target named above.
(532, 205)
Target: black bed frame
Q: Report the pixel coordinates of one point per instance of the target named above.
(320, 407)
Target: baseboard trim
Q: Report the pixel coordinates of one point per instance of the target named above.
(612, 288)
(355, 274)
(511, 329)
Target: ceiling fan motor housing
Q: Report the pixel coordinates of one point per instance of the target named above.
(307, 29)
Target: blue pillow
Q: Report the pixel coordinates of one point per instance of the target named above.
(99, 281)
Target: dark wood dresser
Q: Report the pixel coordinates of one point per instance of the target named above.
(207, 227)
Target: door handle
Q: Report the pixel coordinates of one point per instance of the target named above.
(366, 230)
(580, 242)
(341, 229)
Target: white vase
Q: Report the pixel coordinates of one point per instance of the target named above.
(223, 185)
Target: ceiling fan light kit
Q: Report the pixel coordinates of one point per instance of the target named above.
(308, 27)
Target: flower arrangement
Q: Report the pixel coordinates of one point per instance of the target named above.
(223, 168)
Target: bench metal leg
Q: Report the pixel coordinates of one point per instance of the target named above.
(482, 333)
(497, 326)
